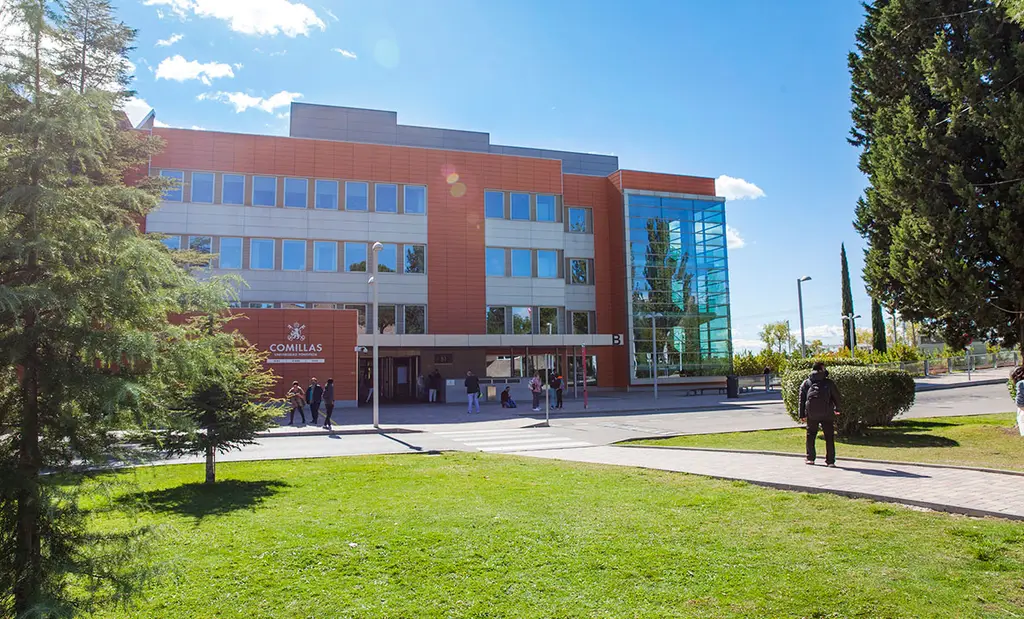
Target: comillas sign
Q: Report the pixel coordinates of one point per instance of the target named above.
(295, 349)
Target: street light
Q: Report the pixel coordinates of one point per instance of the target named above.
(376, 325)
(547, 387)
(800, 302)
(853, 328)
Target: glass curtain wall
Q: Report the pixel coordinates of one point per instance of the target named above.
(678, 286)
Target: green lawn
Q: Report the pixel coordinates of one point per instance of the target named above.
(982, 440)
(468, 535)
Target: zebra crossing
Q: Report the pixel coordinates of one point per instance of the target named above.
(511, 439)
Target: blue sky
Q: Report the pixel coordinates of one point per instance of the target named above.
(747, 89)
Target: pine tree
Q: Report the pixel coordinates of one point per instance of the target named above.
(848, 326)
(93, 47)
(938, 113)
(878, 343)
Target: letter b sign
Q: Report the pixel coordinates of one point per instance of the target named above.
(617, 339)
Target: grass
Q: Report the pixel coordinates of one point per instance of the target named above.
(476, 535)
(989, 441)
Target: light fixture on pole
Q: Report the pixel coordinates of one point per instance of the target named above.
(376, 326)
(547, 387)
(853, 328)
(800, 303)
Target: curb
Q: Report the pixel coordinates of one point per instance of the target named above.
(928, 465)
(971, 383)
(637, 411)
(321, 432)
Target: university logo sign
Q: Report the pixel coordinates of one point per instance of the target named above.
(295, 333)
(296, 350)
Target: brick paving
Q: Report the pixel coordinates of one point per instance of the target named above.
(961, 491)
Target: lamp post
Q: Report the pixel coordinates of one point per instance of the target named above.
(800, 303)
(654, 352)
(547, 387)
(376, 326)
(853, 329)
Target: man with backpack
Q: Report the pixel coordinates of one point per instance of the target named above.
(819, 405)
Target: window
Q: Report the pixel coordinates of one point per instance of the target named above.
(261, 254)
(258, 305)
(294, 305)
(202, 187)
(172, 242)
(579, 271)
(385, 200)
(494, 204)
(495, 262)
(295, 192)
(386, 319)
(264, 191)
(355, 257)
(325, 256)
(361, 312)
(324, 306)
(495, 320)
(545, 208)
(355, 196)
(201, 244)
(578, 219)
(415, 259)
(173, 193)
(522, 320)
(387, 258)
(232, 189)
(549, 320)
(415, 199)
(521, 260)
(415, 319)
(547, 263)
(230, 253)
(580, 323)
(521, 206)
(326, 195)
(293, 255)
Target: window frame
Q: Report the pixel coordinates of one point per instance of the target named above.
(381, 252)
(500, 193)
(554, 262)
(366, 257)
(224, 184)
(554, 208)
(366, 196)
(504, 261)
(213, 188)
(504, 319)
(571, 273)
(316, 194)
(405, 199)
(586, 219)
(405, 256)
(512, 260)
(376, 197)
(572, 321)
(181, 185)
(319, 270)
(292, 242)
(529, 312)
(305, 192)
(253, 193)
(273, 253)
(220, 252)
(200, 236)
(511, 207)
(405, 318)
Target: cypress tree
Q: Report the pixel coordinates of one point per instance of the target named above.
(877, 327)
(848, 326)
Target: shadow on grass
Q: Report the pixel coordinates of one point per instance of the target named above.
(891, 437)
(201, 500)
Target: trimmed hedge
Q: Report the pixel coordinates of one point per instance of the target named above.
(869, 396)
(806, 364)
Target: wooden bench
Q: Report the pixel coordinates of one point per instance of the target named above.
(701, 388)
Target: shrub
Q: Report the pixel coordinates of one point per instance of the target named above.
(806, 364)
(869, 396)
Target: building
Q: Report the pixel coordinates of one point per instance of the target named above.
(496, 259)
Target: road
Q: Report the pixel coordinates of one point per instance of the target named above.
(473, 433)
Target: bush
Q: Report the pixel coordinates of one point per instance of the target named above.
(806, 364)
(869, 396)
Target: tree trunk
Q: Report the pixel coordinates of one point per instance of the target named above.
(211, 464)
(28, 545)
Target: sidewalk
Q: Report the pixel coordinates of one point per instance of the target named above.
(960, 491)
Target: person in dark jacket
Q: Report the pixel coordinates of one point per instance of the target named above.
(472, 392)
(314, 395)
(557, 384)
(434, 381)
(819, 405)
(328, 402)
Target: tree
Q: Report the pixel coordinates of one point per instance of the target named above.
(777, 336)
(848, 326)
(878, 343)
(94, 47)
(815, 348)
(84, 301)
(938, 113)
(214, 387)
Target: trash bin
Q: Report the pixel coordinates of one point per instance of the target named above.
(732, 387)
(491, 393)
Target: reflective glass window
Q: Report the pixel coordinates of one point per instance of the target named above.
(174, 192)
(232, 190)
(202, 187)
(356, 196)
(293, 255)
(494, 204)
(355, 257)
(415, 200)
(326, 195)
(495, 262)
(520, 206)
(261, 254)
(545, 208)
(521, 263)
(264, 191)
(295, 192)
(325, 256)
(230, 254)
(547, 263)
(385, 199)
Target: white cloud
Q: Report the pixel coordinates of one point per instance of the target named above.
(737, 189)
(198, 128)
(159, 123)
(238, 66)
(822, 331)
(740, 344)
(733, 238)
(256, 17)
(242, 101)
(331, 14)
(280, 53)
(174, 38)
(345, 53)
(178, 69)
(136, 109)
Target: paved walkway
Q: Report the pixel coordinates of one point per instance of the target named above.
(946, 489)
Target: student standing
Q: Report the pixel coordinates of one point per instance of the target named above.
(558, 384)
(472, 392)
(434, 381)
(819, 406)
(328, 402)
(314, 395)
(535, 389)
(296, 401)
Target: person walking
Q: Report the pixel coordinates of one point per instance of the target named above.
(535, 389)
(472, 392)
(314, 395)
(435, 385)
(297, 402)
(328, 403)
(1018, 379)
(819, 406)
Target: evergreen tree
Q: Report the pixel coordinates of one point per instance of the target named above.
(848, 326)
(93, 47)
(878, 343)
(938, 113)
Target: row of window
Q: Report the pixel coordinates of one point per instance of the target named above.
(326, 193)
(407, 319)
(534, 207)
(263, 254)
(501, 262)
(502, 320)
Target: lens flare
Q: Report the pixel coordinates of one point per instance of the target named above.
(458, 190)
(453, 178)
